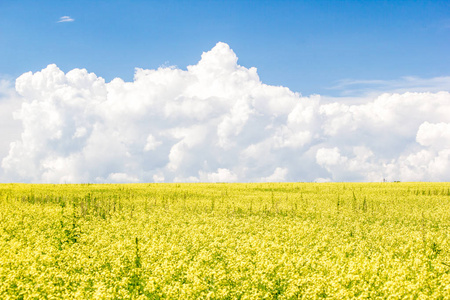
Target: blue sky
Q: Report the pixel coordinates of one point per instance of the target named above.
(224, 91)
(308, 46)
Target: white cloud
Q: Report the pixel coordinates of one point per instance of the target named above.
(434, 135)
(158, 178)
(278, 175)
(216, 122)
(152, 143)
(10, 128)
(329, 157)
(121, 178)
(65, 19)
(402, 85)
(222, 175)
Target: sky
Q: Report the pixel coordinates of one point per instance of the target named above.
(224, 91)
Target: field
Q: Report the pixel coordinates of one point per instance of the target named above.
(225, 241)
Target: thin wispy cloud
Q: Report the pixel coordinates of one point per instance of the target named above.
(350, 87)
(65, 19)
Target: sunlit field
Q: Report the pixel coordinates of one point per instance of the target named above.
(225, 241)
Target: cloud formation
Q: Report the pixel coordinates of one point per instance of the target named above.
(402, 85)
(10, 129)
(65, 19)
(216, 121)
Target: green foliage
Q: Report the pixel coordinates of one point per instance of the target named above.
(225, 241)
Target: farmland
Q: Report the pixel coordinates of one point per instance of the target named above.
(225, 241)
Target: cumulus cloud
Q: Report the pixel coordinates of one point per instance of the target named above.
(434, 135)
(65, 19)
(10, 128)
(217, 122)
(278, 175)
(222, 175)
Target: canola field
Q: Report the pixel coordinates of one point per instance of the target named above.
(225, 241)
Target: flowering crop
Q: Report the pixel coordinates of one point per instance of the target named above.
(225, 241)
